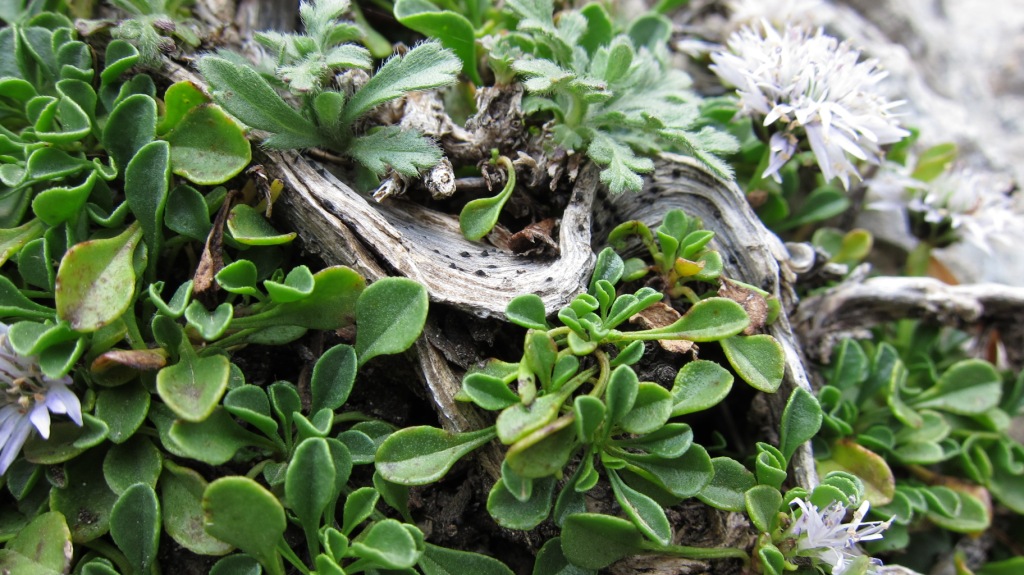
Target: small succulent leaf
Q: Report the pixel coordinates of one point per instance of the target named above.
(645, 513)
(193, 387)
(762, 504)
(214, 440)
(359, 505)
(589, 415)
(244, 514)
(801, 420)
(130, 126)
(443, 561)
(728, 486)
(45, 542)
(519, 420)
(934, 161)
(527, 311)
(669, 441)
(250, 404)
(712, 319)
(309, 482)
(248, 227)
(387, 544)
(405, 151)
(545, 451)
(421, 455)
(850, 365)
(247, 96)
(179, 99)
(478, 217)
(683, 476)
(238, 277)
(758, 359)
(512, 513)
(424, 67)
(181, 499)
(488, 392)
(123, 409)
(96, 281)
(297, 285)
(595, 541)
(174, 308)
(971, 516)
(453, 29)
(968, 387)
(699, 385)
(207, 147)
(211, 325)
(550, 560)
(874, 472)
(650, 411)
(823, 203)
(85, 501)
(58, 204)
(333, 377)
(390, 315)
(332, 305)
(621, 393)
(135, 526)
(608, 267)
(132, 462)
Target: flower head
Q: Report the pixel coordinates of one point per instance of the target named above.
(810, 85)
(821, 534)
(27, 400)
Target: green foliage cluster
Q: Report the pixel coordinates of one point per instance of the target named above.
(923, 428)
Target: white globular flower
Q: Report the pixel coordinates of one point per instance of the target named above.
(810, 85)
(821, 534)
(27, 400)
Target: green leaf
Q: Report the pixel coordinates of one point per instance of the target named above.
(132, 462)
(595, 541)
(443, 561)
(478, 217)
(215, 440)
(879, 483)
(193, 387)
(405, 151)
(699, 385)
(123, 409)
(85, 500)
(823, 203)
(968, 387)
(934, 161)
(1010, 566)
(211, 325)
(46, 542)
(333, 377)
(135, 526)
(179, 99)
(359, 506)
(59, 204)
(12, 240)
(645, 513)
(551, 561)
(758, 359)
(712, 319)
(511, 513)
(208, 147)
(309, 485)
(181, 499)
(519, 420)
(545, 451)
(622, 168)
(96, 281)
(488, 392)
(650, 411)
(130, 126)
(801, 420)
(728, 486)
(390, 315)
(763, 503)
(247, 96)
(589, 415)
(600, 29)
(248, 227)
(527, 311)
(66, 442)
(421, 455)
(971, 516)
(187, 214)
(241, 512)
(297, 285)
(424, 67)
(387, 544)
(453, 30)
(332, 305)
(237, 564)
(683, 476)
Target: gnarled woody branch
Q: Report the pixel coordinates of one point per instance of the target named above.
(849, 308)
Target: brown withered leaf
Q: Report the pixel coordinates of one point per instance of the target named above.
(661, 315)
(754, 303)
(212, 260)
(535, 239)
(119, 366)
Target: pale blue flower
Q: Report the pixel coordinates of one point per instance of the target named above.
(27, 400)
(822, 535)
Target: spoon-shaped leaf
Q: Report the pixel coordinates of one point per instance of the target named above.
(712, 319)
(479, 216)
(135, 526)
(758, 359)
(241, 512)
(420, 455)
(96, 281)
(390, 315)
(192, 388)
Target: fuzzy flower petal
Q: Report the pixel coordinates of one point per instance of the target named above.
(822, 535)
(811, 85)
